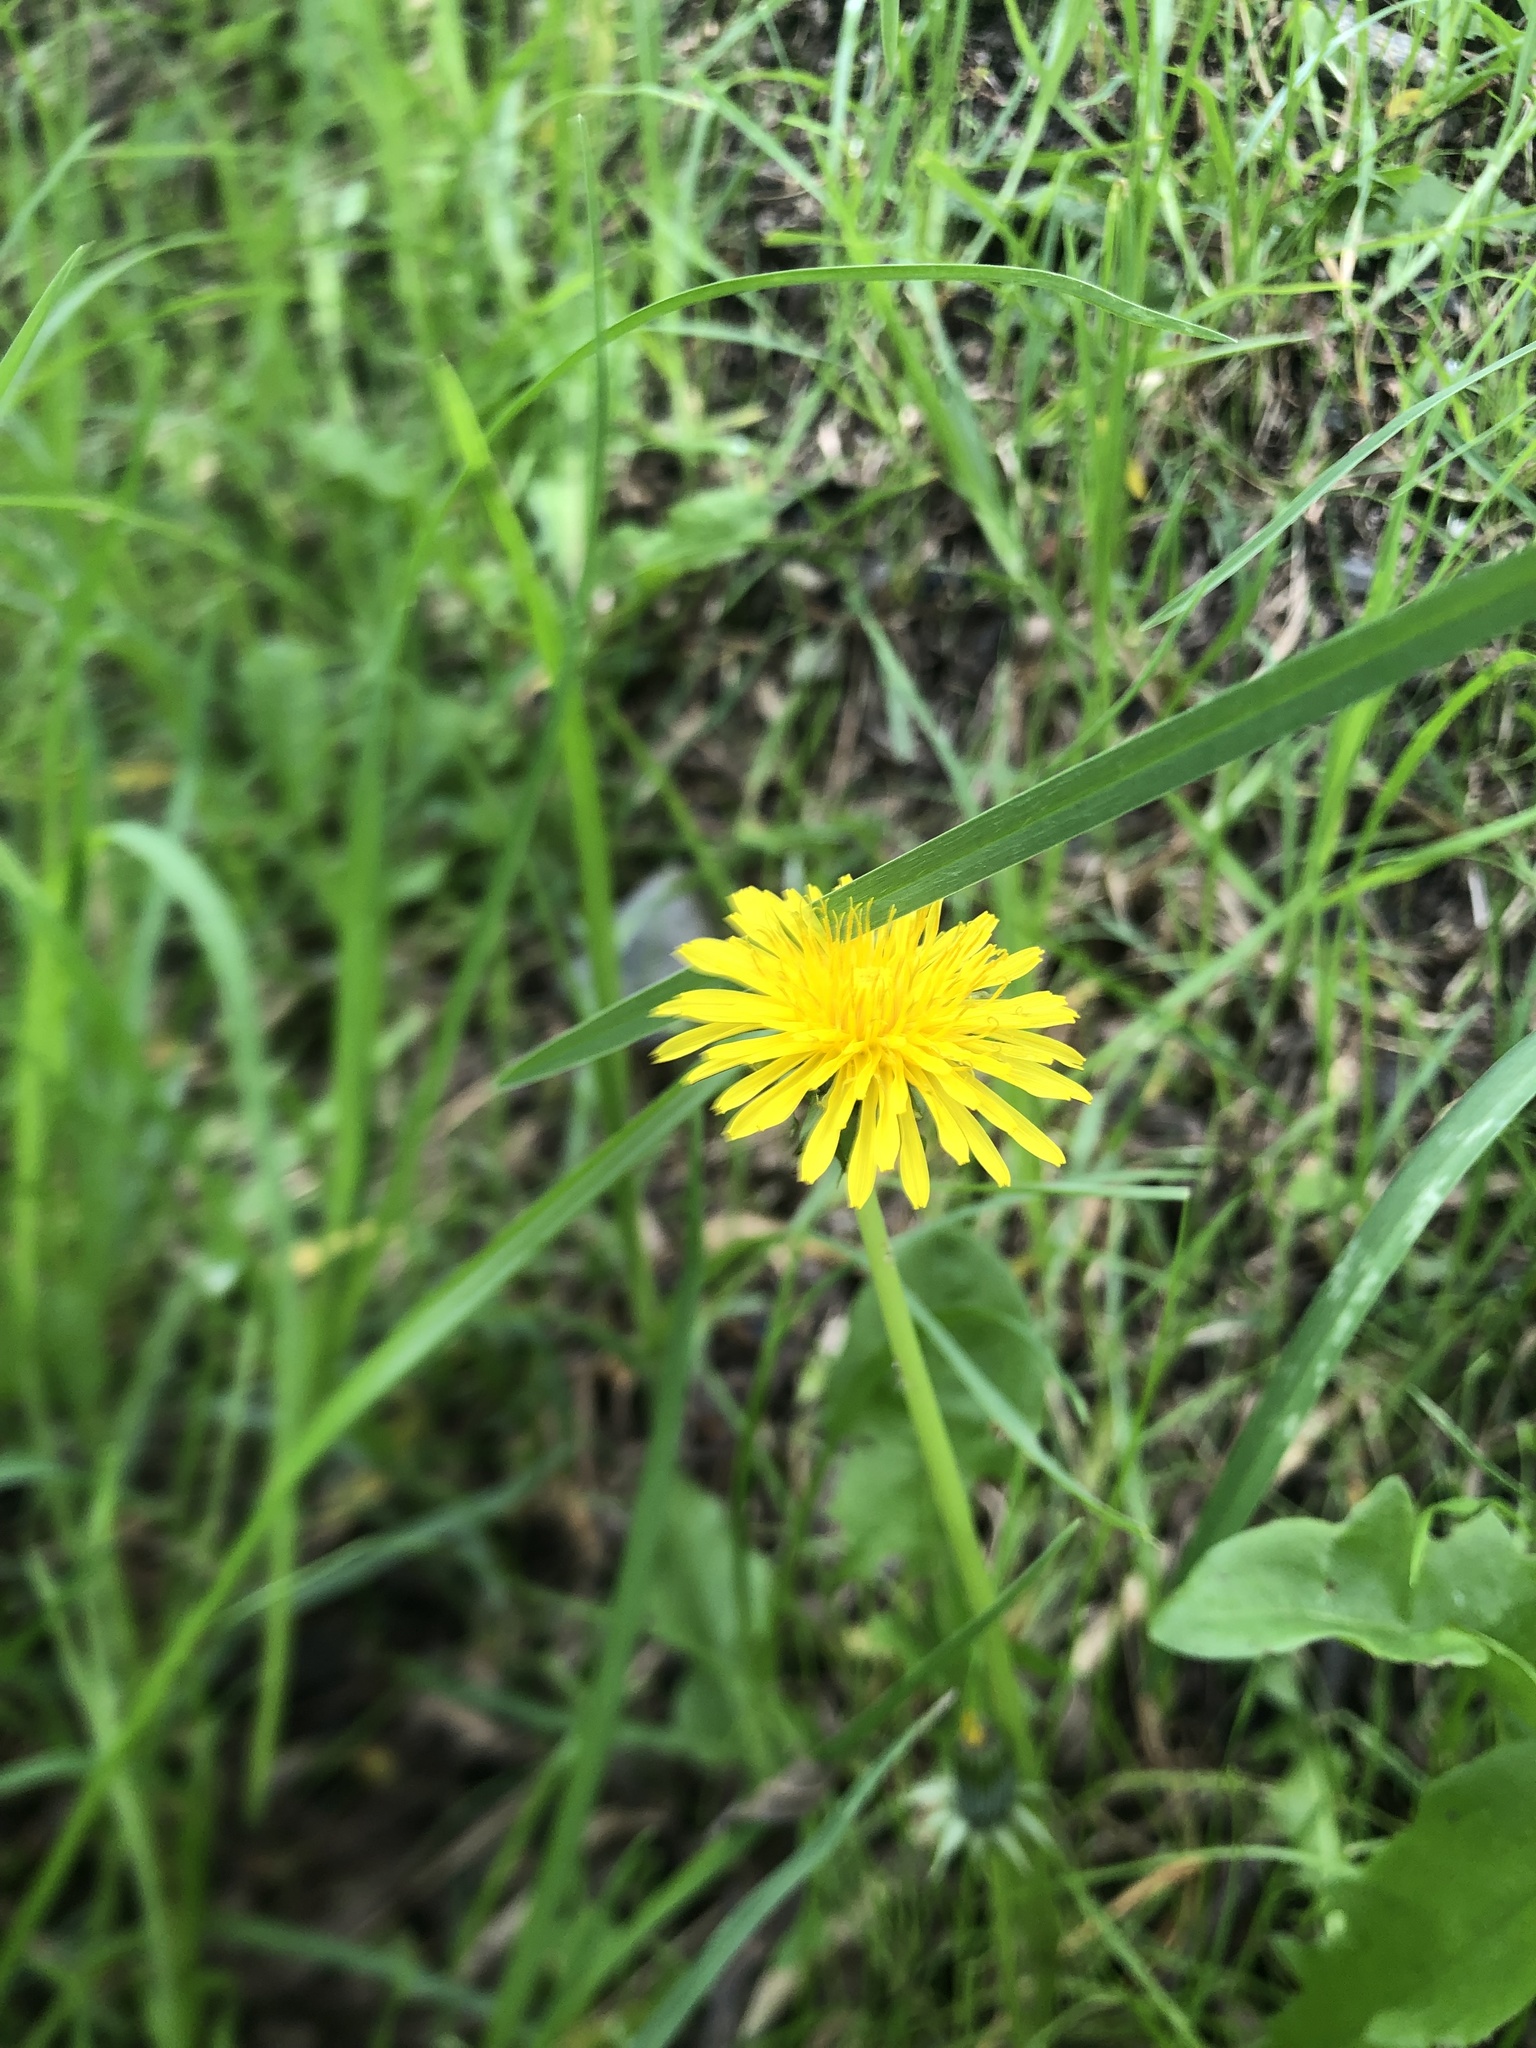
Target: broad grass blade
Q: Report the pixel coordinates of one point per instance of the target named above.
(1296, 507)
(54, 311)
(1351, 1290)
(460, 1298)
(357, 1563)
(1372, 657)
(183, 876)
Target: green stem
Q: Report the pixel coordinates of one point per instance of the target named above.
(944, 1480)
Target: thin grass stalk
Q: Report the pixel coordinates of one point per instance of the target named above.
(468, 978)
(40, 1061)
(414, 1339)
(583, 785)
(600, 1710)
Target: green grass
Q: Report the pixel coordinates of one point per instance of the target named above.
(372, 637)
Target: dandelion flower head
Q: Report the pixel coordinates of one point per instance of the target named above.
(882, 1017)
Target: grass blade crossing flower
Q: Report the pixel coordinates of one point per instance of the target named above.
(883, 1018)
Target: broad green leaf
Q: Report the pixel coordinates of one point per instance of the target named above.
(692, 1605)
(744, 1919)
(1271, 1590)
(881, 1507)
(1351, 1290)
(1439, 1941)
(1375, 656)
(700, 530)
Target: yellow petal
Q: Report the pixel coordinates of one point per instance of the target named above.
(728, 959)
(914, 1161)
(990, 1159)
(1014, 966)
(861, 1163)
(1028, 1045)
(1018, 1126)
(1038, 1008)
(821, 1146)
(770, 1108)
(946, 1120)
(753, 1084)
(725, 1006)
(1041, 1081)
(685, 1042)
(887, 1124)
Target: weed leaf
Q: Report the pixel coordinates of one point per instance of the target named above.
(1439, 1945)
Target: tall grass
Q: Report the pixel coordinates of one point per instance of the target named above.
(454, 531)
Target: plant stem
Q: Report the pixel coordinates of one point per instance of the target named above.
(1036, 1910)
(944, 1479)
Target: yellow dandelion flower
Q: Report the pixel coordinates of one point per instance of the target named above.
(882, 1016)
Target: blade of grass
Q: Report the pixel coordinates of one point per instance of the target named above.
(1230, 565)
(474, 964)
(413, 1340)
(360, 984)
(719, 1852)
(1000, 1411)
(27, 342)
(355, 1564)
(600, 1708)
(744, 1919)
(1360, 662)
(1352, 1289)
(299, 1944)
(54, 310)
(943, 1658)
(559, 636)
(53, 1767)
(995, 276)
(183, 877)
(58, 170)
